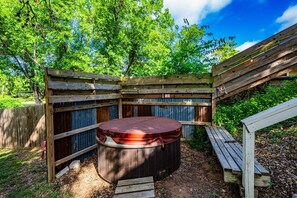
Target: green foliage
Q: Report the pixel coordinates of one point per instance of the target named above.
(199, 140)
(229, 115)
(8, 102)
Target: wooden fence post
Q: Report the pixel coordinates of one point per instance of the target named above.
(248, 162)
(50, 151)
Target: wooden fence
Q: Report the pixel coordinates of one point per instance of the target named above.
(22, 127)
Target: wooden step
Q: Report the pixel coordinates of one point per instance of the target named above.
(132, 188)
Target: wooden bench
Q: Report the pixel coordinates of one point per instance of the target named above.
(229, 153)
(134, 188)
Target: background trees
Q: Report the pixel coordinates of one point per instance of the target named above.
(116, 37)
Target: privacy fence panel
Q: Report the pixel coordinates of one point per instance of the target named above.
(22, 127)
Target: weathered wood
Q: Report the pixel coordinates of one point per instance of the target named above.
(134, 188)
(82, 107)
(50, 151)
(152, 96)
(141, 180)
(265, 79)
(262, 60)
(261, 46)
(72, 74)
(167, 103)
(120, 108)
(197, 123)
(74, 155)
(168, 80)
(142, 194)
(170, 91)
(81, 86)
(77, 98)
(76, 131)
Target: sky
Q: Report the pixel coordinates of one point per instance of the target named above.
(250, 21)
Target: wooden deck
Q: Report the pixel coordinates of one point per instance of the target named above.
(134, 188)
(229, 153)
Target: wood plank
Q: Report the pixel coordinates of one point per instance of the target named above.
(235, 168)
(169, 80)
(249, 86)
(120, 108)
(74, 155)
(223, 161)
(134, 188)
(289, 32)
(142, 194)
(151, 96)
(196, 123)
(262, 60)
(57, 85)
(238, 149)
(79, 98)
(76, 131)
(169, 91)
(167, 103)
(82, 107)
(73, 74)
(141, 180)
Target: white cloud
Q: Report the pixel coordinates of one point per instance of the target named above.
(193, 10)
(288, 18)
(246, 45)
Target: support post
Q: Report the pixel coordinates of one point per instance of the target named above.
(50, 152)
(248, 162)
(213, 108)
(120, 108)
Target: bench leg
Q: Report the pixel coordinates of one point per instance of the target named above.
(241, 189)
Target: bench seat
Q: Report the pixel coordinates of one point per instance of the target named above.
(229, 153)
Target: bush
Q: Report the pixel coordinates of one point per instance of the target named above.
(199, 140)
(229, 116)
(8, 102)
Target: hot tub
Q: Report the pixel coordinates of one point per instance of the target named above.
(138, 147)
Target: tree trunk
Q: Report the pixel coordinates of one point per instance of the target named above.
(37, 99)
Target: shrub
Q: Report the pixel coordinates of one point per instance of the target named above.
(229, 116)
(199, 140)
(8, 102)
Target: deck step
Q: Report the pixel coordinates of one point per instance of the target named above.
(139, 187)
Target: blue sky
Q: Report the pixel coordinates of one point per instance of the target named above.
(250, 21)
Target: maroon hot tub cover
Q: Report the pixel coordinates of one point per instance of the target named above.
(141, 130)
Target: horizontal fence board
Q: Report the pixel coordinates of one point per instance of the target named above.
(82, 107)
(77, 98)
(254, 84)
(259, 74)
(73, 74)
(168, 103)
(266, 58)
(81, 86)
(246, 54)
(72, 156)
(155, 96)
(168, 80)
(76, 131)
(170, 91)
(196, 123)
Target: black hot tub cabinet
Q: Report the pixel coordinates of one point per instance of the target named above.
(138, 147)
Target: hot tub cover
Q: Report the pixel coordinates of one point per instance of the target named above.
(140, 130)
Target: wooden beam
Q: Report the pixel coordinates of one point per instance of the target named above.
(82, 107)
(261, 81)
(168, 103)
(170, 91)
(49, 120)
(169, 80)
(72, 156)
(147, 96)
(58, 85)
(79, 98)
(261, 46)
(262, 60)
(195, 123)
(76, 131)
(73, 74)
(120, 108)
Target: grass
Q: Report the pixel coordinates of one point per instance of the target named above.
(23, 174)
